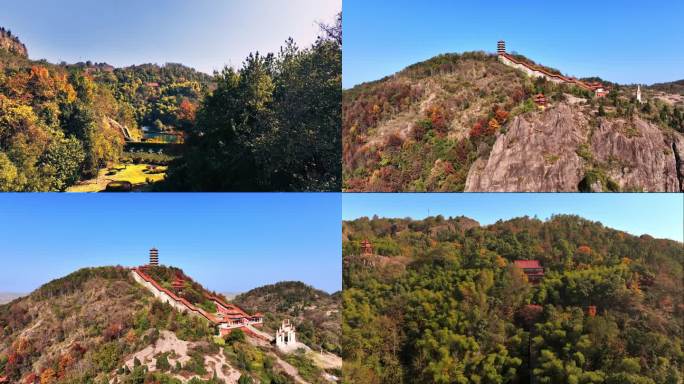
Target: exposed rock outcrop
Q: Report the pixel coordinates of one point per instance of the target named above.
(554, 151)
(539, 154)
(11, 43)
(636, 155)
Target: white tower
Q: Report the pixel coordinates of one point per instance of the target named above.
(638, 95)
(285, 336)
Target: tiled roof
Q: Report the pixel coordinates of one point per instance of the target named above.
(527, 264)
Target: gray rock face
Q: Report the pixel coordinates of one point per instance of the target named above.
(636, 155)
(551, 151)
(534, 155)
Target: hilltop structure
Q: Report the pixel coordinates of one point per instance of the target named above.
(638, 94)
(366, 248)
(227, 317)
(597, 88)
(532, 269)
(154, 256)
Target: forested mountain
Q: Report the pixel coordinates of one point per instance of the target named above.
(97, 325)
(468, 122)
(315, 314)
(273, 124)
(440, 301)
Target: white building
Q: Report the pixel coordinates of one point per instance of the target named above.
(285, 336)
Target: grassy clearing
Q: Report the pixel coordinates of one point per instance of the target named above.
(137, 174)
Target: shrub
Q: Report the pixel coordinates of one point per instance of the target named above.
(119, 186)
(236, 335)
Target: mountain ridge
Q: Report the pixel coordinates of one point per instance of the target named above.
(426, 127)
(83, 327)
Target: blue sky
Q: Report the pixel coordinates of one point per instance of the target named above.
(656, 214)
(203, 34)
(624, 41)
(227, 242)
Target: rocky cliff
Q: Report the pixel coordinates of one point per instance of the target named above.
(563, 149)
(11, 43)
(466, 122)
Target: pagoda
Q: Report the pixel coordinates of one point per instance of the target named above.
(154, 257)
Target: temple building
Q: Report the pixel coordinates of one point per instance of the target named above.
(366, 248)
(532, 70)
(178, 283)
(532, 269)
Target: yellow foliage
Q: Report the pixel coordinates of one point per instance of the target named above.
(500, 261)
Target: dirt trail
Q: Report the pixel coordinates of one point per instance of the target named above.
(289, 369)
(168, 342)
(326, 360)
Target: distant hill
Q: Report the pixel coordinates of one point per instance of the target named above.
(316, 314)
(6, 297)
(468, 122)
(434, 302)
(675, 87)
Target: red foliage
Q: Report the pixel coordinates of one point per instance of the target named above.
(478, 129)
(529, 314)
(113, 331)
(501, 116)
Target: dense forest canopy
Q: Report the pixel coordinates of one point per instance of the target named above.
(273, 124)
(440, 301)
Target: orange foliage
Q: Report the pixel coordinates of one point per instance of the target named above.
(437, 117)
(493, 126)
(48, 376)
(187, 111)
(584, 249)
(65, 362)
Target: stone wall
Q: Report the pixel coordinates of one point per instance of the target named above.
(161, 295)
(529, 71)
